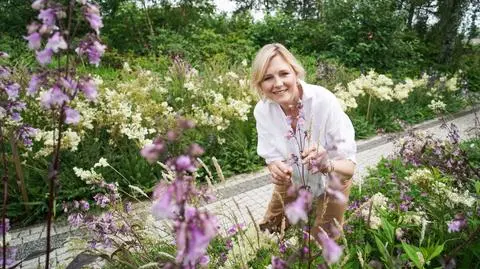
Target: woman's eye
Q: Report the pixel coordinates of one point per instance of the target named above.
(284, 73)
(266, 78)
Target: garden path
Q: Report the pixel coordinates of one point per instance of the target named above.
(250, 191)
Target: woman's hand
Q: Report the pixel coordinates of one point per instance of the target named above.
(316, 159)
(281, 172)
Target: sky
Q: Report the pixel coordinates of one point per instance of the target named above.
(229, 6)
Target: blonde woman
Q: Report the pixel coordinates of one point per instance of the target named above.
(288, 101)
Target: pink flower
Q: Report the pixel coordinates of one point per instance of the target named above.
(92, 15)
(71, 116)
(89, 89)
(53, 97)
(278, 263)
(47, 16)
(45, 56)
(12, 91)
(298, 210)
(331, 250)
(92, 48)
(33, 85)
(3, 54)
(152, 151)
(56, 42)
(164, 207)
(457, 224)
(184, 163)
(34, 40)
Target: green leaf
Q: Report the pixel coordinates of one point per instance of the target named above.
(412, 254)
(477, 187)
(432, 254)
(388, 230)
(382, 249)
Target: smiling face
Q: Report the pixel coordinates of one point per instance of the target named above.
(280, 82)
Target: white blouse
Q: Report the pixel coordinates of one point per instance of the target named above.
(326, 122)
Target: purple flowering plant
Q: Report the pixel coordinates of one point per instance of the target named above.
(53, 36)
(17, 134)
(176, 197)
(431, 190)
(302, 209)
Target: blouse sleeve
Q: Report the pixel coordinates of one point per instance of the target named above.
(265, 147)
(340, 135)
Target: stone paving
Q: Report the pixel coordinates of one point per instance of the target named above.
(237, 196)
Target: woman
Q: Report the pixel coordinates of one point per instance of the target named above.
(298, 119)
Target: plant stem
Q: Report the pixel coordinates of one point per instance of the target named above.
(5, 196)
(52, 181)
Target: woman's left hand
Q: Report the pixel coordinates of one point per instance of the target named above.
(316, 159)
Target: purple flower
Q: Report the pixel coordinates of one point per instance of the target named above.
(92, 48)
(278, 263)
(34, 83)
(331, 250)
(45, 56)
(194, 235)
(282, 248)
(89, 89)
(404, 207)
(229, 244)
(25, 134)
(4, 72)
(204, 260)
(195, 150)
(457, 224)
(92, 15)
(84, 205)
(12, 91)
(56, 42)
(95, 52)
(75, 219)
(184, 163)
(68, 83)
(101, 200)
(164, 208)
(151, 152)
(47, 16)
(53, 97)
(34, 40)
(299, 208)
(71, 116)
(128, 207)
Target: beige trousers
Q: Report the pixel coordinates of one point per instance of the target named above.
(326, 210)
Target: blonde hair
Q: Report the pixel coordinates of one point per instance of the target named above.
(262, 59)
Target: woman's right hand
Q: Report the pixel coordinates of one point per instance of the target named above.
(281, 173)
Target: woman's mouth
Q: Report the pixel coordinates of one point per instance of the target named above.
(280, 92)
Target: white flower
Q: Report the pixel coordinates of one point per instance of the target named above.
(437, 105)
(102, 163)
(126, 67)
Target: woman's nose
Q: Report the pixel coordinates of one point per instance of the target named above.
(278, 82)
